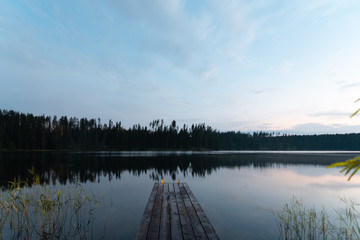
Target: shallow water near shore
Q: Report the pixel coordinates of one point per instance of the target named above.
(237, 190)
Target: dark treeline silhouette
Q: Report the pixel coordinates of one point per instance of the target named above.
(65, 167)
(19, 131)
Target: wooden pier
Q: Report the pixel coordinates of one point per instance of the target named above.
(173, 212)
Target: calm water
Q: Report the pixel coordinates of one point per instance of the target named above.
(237, 190)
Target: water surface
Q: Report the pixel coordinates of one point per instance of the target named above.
(237, 190)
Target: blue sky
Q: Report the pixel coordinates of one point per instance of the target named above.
(290, 66)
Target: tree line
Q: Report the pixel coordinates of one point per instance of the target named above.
(19, 131)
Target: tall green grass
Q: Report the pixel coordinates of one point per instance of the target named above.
(30, 210)
(295, 221)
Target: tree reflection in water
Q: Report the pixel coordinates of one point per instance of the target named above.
(63, 168)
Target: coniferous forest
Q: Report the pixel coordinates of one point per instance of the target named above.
(19, 131)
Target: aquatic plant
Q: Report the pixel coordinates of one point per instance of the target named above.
(295, 221)
(45, 212)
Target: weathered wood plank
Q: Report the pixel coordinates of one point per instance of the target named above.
(186, 228)
(194, 219)
(173, 212)
(165, 214)
(144, 224)
(175, 226)
(209, 229)
(195, 203)
(154, 228)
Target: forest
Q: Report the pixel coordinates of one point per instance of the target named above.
(19, 131)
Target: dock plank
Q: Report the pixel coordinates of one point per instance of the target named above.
(173, 212)
(165, 214)
(175, 226)
(209, 229)
(185, 222)
(196, 225)
(144, 226)
(154, 227)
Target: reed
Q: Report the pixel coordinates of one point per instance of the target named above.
(30, 210)
(295, 221)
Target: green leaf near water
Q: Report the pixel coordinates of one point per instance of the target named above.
(349, 166)
(356, 112)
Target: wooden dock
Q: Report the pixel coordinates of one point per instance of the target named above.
(173, 212)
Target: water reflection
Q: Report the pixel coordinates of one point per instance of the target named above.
(66, 168)
(236, 190)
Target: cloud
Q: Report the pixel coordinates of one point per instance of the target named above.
(330, 114)
(260, 90)
(206, 73)
(317, 128)
(284, 67)
(160, 29)
(125, 37)
(345, 85)
(325, 7)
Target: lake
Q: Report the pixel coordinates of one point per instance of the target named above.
(237, 190)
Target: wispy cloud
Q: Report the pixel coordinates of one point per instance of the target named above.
(325, 7)
(343, 86)
(283, 67)
(262, 90)
(330, 114)
(317, 128)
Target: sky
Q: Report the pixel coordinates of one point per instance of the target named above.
(282, 65)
